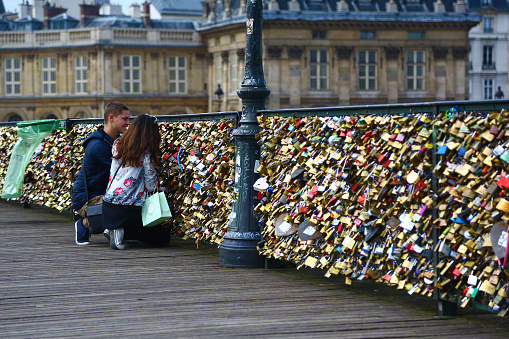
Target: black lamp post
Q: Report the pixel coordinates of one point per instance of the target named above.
(239, 246)
(218, 94)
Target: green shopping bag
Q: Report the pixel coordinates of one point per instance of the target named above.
(155, 210)
(31, 134)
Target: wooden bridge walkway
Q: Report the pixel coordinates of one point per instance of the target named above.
(49, 287)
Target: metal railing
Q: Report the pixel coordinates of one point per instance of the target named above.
(430, 108)
(422, 107)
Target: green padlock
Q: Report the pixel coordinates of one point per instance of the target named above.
(505, 156)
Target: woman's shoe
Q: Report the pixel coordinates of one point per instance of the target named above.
(116, 239)
(107, 234)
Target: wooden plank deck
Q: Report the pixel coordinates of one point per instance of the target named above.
(49, 287)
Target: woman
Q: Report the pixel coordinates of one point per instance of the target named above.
(132, 176)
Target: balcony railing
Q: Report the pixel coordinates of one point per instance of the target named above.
(96, 35)
(488, 67)
(47, 37)
(12, 38)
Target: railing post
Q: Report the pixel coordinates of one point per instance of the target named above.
(445, 308)
(239, 246)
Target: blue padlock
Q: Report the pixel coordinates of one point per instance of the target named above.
(442, 150)
(462, 151)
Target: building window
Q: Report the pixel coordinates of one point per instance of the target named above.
(131, 66)
(49, 75)
(318, 70)
(58, 24)
(319, 34)
(487, 87)
(80, 74)
(367, 35)
(177, 74)
(14, 118)
(219, 69)
(415, 70)
(415, 35)
(488, 24)
(487, 58)
(486, 2)
(367, 71)
(12, 76)
(82, 115)
(23, 26)
(232, 38)
(234, 72)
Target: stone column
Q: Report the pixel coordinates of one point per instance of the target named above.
(226, 78)
(153, 74)
(37, 74)
(28, 76)
(294, 87)
(94, 72)
(210, 81)
(344, 54)
(392, 71)
(273, 64)
(163, 76)
(460, 56)
(109, 64)
(440, 56)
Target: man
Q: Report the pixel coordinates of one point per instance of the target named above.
(96, 164)
(499, 94)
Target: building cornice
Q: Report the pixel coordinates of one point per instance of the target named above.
(340, 19)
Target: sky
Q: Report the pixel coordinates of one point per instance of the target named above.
(12, 5)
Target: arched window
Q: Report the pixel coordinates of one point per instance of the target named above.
(14, 117)
(81, 115)
(51, 116)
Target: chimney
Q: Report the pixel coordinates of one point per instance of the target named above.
(37, 10)
(109, 9)
(146, 13)
(342, 6)
(50, 12)
(135, 11)
(206, 9)
(25, 10)
(88, 12)
(391, 7)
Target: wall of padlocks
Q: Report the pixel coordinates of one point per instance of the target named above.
(351, 195)
(196, 169)
(354, 196)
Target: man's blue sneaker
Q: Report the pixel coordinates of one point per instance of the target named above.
(82, 234)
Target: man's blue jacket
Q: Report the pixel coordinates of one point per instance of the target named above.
(96, 163)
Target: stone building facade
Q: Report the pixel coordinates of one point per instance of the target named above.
(316, 53)
(489, 42)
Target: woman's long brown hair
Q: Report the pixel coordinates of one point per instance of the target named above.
(142, 135)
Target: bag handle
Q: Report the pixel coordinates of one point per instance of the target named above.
(111, 182)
